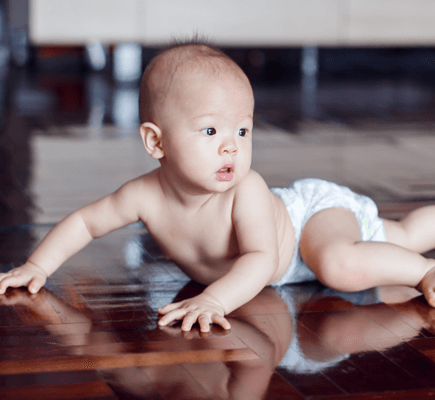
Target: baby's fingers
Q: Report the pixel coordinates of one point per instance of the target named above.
(168, 308)
(8, 280)
(189, 320)
(204, 323)
(222, 321)
(174, 315)
(36, 284)
(3, 284)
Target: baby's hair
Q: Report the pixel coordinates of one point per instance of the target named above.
(196, 51)
(181, 41)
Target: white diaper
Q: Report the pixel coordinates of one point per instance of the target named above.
(305, 198)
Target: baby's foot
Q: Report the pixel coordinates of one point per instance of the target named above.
(427, 286)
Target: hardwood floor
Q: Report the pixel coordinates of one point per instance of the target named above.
(92, 332)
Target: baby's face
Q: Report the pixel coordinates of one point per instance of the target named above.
(207, 123)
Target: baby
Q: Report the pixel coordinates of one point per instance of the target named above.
(217, 219)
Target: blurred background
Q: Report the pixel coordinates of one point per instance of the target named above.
(348, 61)
(344, 91)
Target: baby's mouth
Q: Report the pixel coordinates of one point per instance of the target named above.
(226, 172)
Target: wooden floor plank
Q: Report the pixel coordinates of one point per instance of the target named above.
(390, 376)
(311, 385)
(90, 390)
(414, 362)
(405, 395)
(49, 378)
(124, 360)
(280, 389)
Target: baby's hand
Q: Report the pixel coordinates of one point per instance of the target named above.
(29, 275)
(202, 308)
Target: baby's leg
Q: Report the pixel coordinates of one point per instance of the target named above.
(416, 232)
(331, 247)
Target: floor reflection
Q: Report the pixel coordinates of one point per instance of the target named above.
(308, 330)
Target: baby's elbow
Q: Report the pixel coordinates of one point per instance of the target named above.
(85, 225)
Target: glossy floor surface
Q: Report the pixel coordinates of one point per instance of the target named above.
(92, 332)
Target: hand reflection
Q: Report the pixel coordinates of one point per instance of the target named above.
(175, 331)
(268, 336)
(20, 297)
(46, 309)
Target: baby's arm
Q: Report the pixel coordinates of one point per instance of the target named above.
(71, 235)
(254, 222)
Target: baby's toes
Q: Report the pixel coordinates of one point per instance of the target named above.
(430, 297)
(427, 287)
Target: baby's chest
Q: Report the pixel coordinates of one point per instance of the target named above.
(196, 240)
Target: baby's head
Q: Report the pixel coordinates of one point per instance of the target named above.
(196, 109)
(175, 64)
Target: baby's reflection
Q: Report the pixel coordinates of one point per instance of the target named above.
(302, 342)
(322, 340)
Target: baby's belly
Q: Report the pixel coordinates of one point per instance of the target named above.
(205, 273)
(204, 257)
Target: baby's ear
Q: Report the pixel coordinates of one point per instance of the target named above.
(151, 136)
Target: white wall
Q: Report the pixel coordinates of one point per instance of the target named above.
(235, 22)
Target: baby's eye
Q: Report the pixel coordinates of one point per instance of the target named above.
(242, 132)
(209, 131)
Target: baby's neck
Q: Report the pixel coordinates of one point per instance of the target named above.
(181, 196)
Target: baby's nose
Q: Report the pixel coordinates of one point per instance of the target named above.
(229, 147)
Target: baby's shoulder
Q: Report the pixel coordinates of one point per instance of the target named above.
(252, 192)
(147, 182)
(144, 183)
(253, 183)
(143, 192)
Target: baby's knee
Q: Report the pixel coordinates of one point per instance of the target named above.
(339, 267)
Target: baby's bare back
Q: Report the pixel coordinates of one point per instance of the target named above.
(202, 241)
